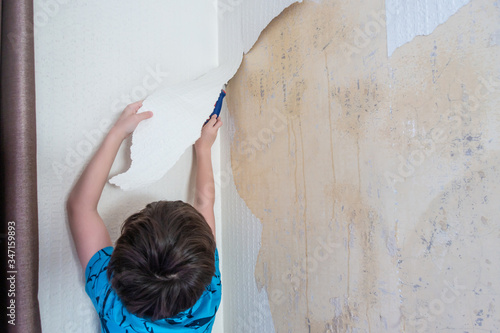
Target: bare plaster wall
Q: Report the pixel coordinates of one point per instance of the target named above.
(376, 179)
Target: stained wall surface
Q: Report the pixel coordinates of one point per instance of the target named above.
(375, 178)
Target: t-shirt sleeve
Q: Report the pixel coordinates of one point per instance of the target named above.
(216, 279)
(96, 281)
(217, 272)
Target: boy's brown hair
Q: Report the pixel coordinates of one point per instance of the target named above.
(163, 260)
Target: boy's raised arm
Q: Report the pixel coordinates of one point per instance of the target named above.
(87, 228)
(205, 188)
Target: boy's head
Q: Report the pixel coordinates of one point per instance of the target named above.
(163, 260)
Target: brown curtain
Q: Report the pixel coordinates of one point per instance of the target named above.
(18, 168)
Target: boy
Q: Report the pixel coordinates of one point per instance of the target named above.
(163, 274)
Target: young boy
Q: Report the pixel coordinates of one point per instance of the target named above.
(163, 274)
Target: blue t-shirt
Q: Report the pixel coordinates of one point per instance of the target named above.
(114, 316)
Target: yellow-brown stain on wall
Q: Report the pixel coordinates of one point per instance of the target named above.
(376, 179)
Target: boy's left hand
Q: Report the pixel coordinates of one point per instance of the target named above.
(208, 133)
(129, 119)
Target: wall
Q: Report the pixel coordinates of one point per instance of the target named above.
(92, 58)
(357, 172)
(368, 182)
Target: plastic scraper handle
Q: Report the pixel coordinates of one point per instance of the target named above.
(217, 106)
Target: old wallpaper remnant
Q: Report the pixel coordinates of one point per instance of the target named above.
(406, 19)
(376, 179)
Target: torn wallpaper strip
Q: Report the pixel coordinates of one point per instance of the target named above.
(180, 110)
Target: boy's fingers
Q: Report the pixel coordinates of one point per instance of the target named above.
(135, 106)
(145, 115)
(219, 123)
(213, 120)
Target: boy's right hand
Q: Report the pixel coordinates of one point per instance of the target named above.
(208, 134)
(129, 119)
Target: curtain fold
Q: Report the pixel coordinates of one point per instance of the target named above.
(18, 159)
